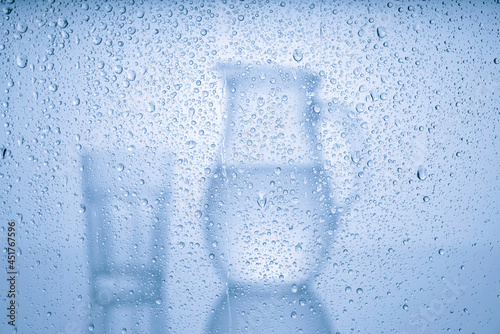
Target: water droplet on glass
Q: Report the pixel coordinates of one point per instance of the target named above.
(348, 289)
(22, 61)
(260, 101)
(381, 32)
(405, 307)
(120, 167)
(131, 75)
(441, 251)
(359, 291)
(82, 208)
(496, 60)
(422, 172)
(21, 27)
(360, 107)
(294, 314)
(426, 199)
(61, 22)
(355, 157)
(262, 200)
(297, 55)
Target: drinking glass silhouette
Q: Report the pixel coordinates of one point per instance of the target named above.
(269, 212)
(125, 195)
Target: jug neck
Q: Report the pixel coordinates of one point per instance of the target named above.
(271, 116)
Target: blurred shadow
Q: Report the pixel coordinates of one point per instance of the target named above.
(126, 215)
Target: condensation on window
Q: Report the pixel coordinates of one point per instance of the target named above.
(250, 166)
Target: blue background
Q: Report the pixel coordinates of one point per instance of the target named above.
(418, 79)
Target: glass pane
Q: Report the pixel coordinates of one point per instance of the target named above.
(249, 166)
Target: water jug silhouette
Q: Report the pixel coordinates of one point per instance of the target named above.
(269, 212)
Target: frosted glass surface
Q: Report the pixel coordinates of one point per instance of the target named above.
(250, 166)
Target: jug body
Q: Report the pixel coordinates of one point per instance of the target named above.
(269, 224)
